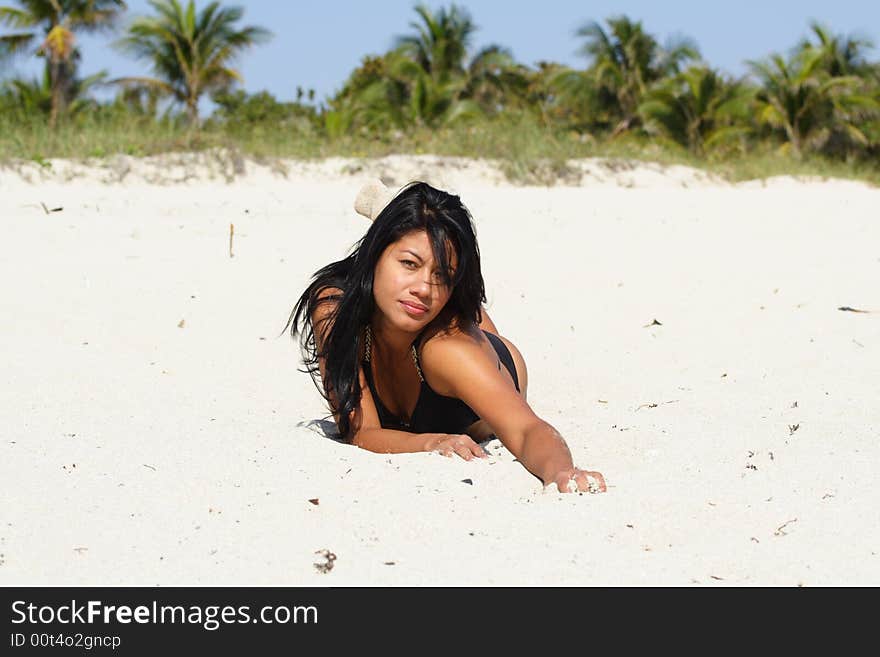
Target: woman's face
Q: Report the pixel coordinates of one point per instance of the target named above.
(407, 284)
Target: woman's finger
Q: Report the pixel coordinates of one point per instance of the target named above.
(475, 449)
(590, 481)
(565, 482)
(462, 443)
(464, 451)
(578, 482)
(598, 479)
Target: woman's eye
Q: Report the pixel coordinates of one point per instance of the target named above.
(408, 262)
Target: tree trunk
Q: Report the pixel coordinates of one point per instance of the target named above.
(59, 81)
(192, 110)
(796, 142)
(695, 139)
(623, 126)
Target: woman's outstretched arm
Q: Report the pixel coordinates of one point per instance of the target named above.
(459, 367)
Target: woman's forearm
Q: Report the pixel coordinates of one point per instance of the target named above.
(544, 452)
(390, 441)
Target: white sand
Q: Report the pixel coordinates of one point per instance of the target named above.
(135, 452)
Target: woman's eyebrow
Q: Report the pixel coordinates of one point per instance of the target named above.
(414, 253)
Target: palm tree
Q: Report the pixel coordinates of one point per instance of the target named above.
(696, 109)
(429, 70)
(495, 80)
(372, 99)
(441, 43)
(60, 20)
(872, 129)
(35, 97)
(624, 63)
(572, 97)
(427, 79)
(840, 55)
(542, 95)
(809, 106)
(428, 99)
(190, 52)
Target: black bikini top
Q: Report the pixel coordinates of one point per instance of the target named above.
(436, 413)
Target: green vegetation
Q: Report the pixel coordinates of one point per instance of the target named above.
(625, 63)
(60, 21)
(815, 111)
(189, 51)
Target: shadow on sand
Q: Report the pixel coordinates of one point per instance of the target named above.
(323, 427)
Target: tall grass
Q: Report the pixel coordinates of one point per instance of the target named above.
(526, 152)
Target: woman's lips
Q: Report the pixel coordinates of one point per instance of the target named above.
(413, 310)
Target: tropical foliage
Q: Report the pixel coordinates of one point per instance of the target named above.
(434, 89)
(27, 98)
(625, 62)
(190, 52)
(256, 114)
(428, 79)
(810, 109)
(53, 25)
(697, 109)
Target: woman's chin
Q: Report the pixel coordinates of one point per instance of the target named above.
(405, 323)
(410, 324)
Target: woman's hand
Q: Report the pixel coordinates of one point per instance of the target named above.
(574, 480)
(454, 443)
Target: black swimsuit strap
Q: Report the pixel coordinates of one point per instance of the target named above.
(500, 349)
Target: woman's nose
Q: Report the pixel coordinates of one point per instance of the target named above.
(421, 284)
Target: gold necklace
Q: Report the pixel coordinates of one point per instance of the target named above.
(368, 350)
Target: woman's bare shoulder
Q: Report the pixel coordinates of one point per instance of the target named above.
(455, 330)
(324, 312)
(330, 293)
(441, 351)
(325, 302)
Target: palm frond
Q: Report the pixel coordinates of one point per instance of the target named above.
(18, 18)
(190, 50)
(14, 44)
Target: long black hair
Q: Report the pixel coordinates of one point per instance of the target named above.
(418, 206)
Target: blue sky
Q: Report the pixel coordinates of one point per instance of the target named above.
(317, 44)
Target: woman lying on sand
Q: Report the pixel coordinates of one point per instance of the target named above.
(408, 359)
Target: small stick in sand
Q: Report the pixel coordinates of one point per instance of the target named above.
(47, 210)
(780, 531)
(231, 233)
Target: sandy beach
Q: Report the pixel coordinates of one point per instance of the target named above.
(684, 334)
